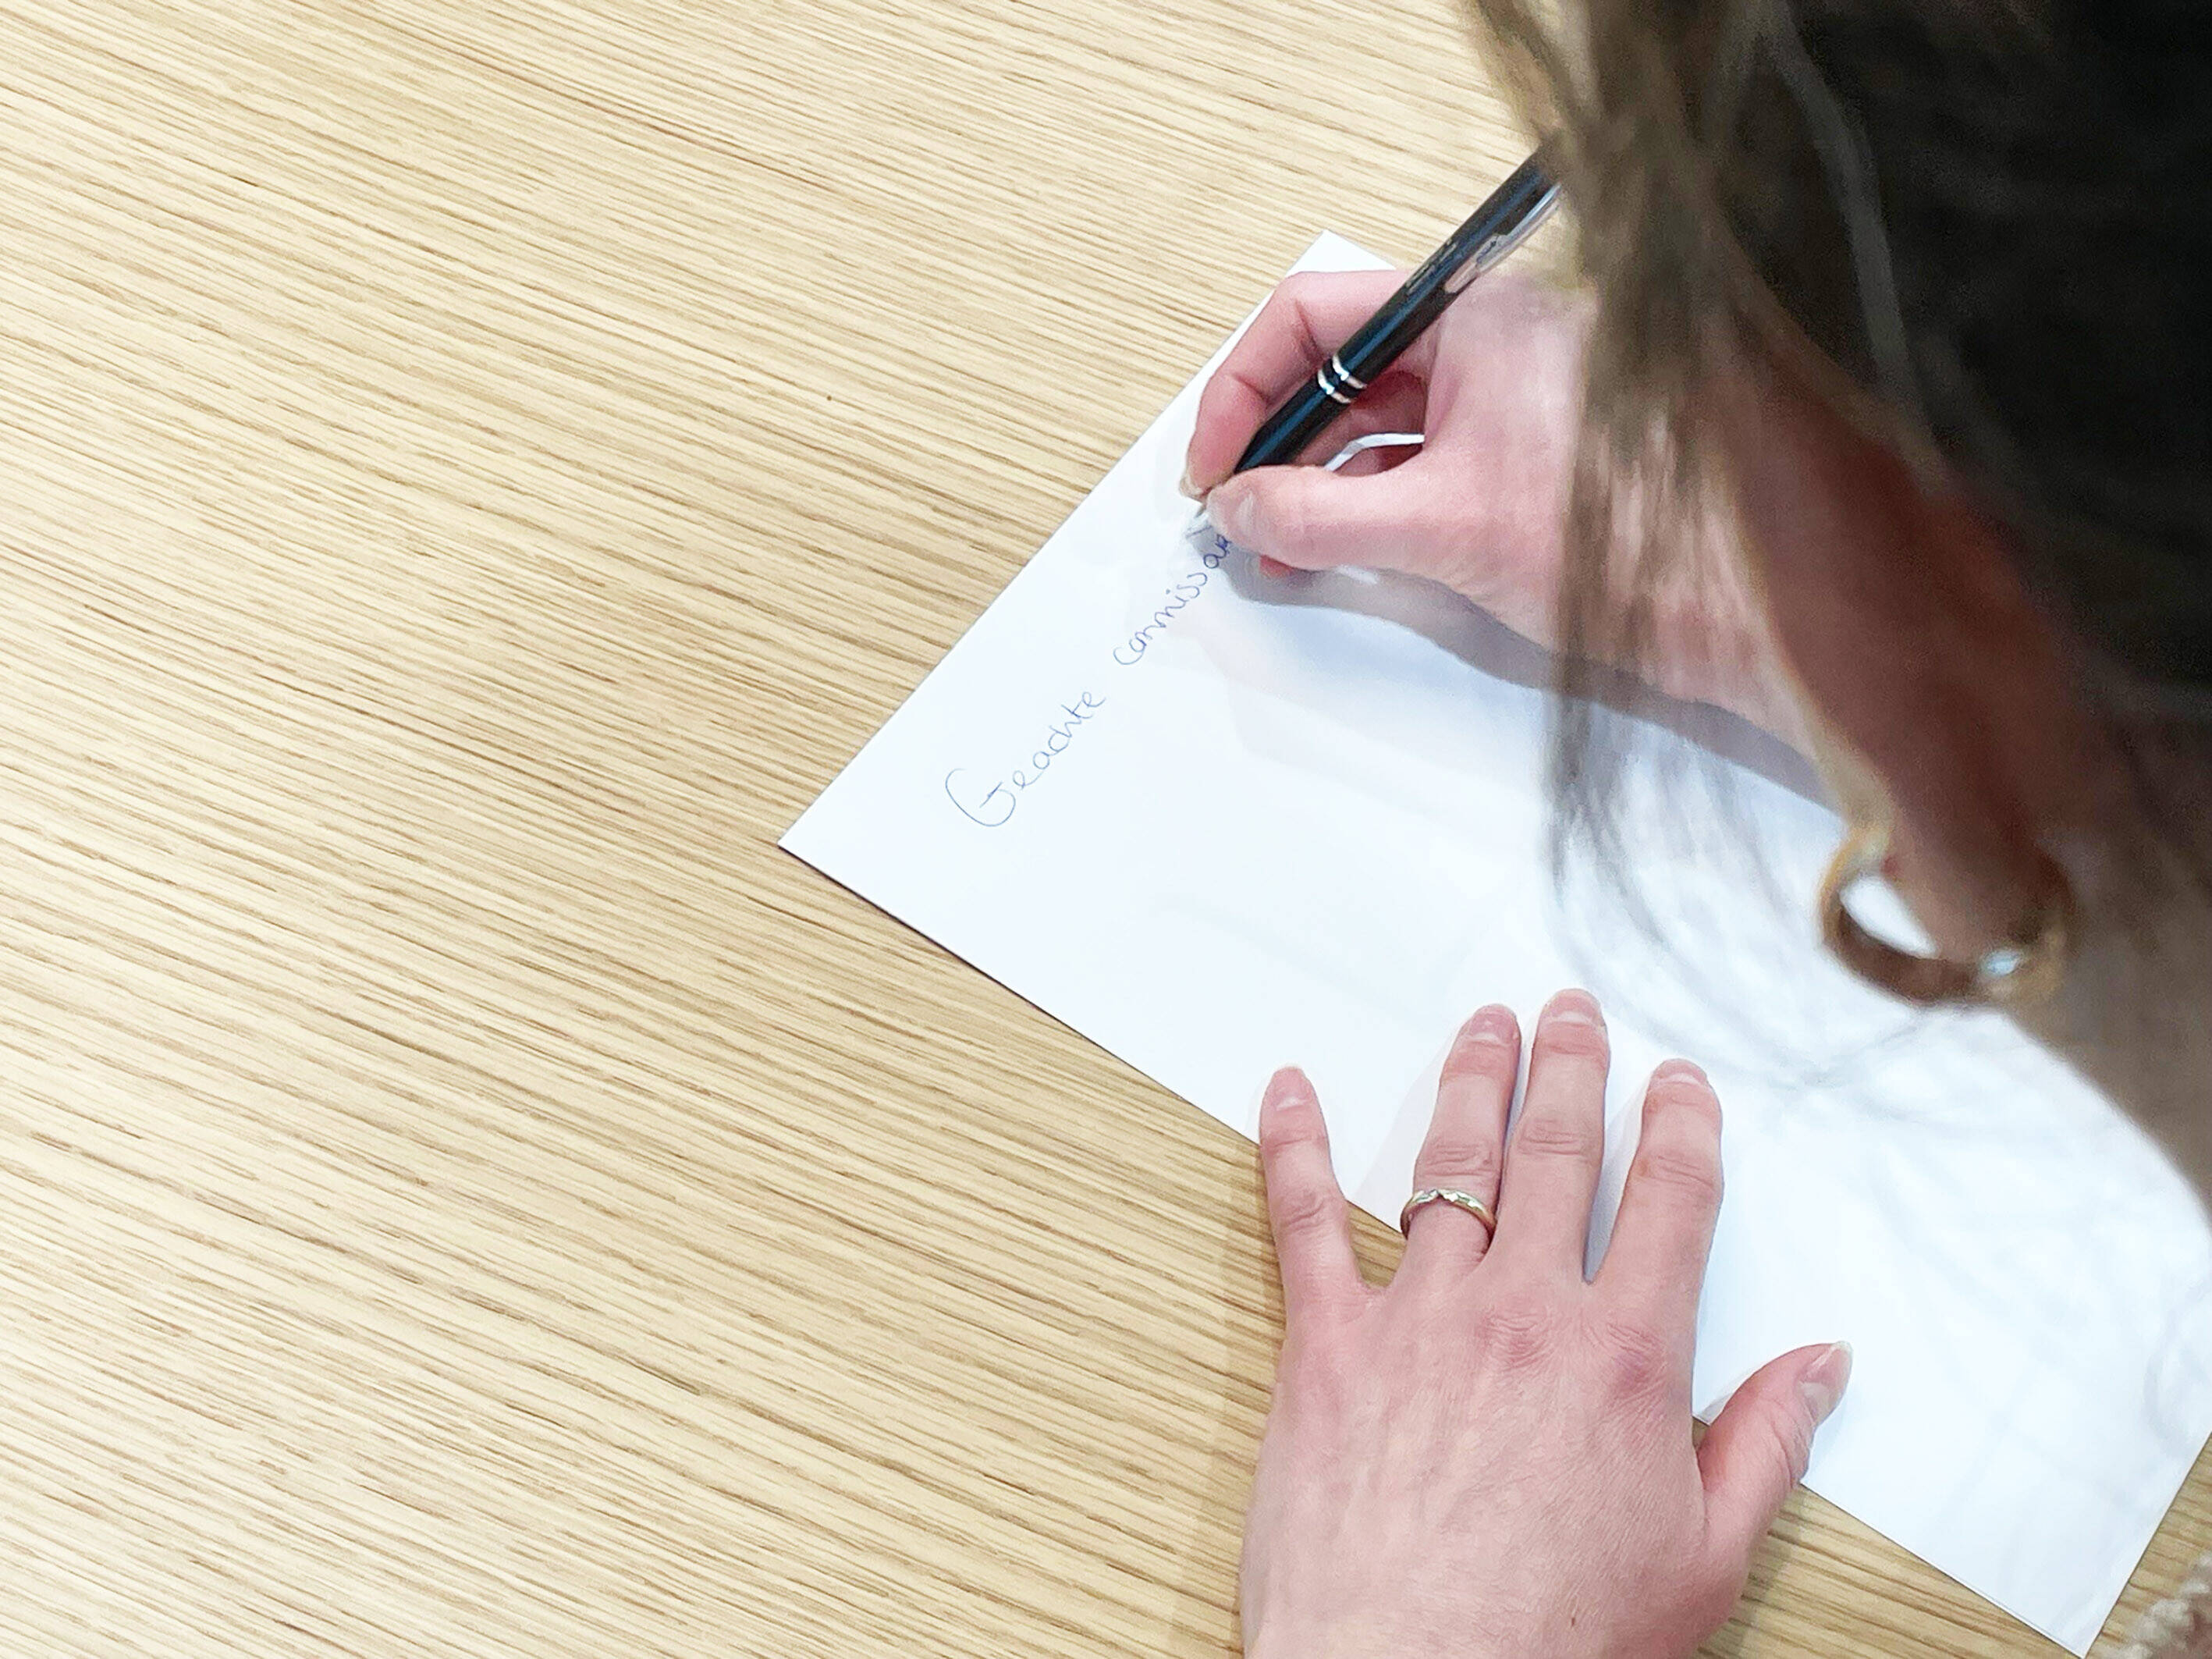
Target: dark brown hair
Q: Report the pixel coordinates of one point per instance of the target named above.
(1983, 226)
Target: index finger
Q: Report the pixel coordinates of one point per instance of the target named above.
(1308, 317)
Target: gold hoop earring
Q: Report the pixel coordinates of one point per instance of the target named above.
(2015, 975)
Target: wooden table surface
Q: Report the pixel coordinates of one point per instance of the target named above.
(470, 471)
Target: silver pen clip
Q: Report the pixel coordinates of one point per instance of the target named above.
(1495, 248)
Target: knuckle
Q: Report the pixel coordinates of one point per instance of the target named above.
(1313, 1359)
(1516, 287)
(1457, 1160)
(1286, 1131)
(1565, 1039)
(1302, 1208)
(1791, 1447)
(1315, 1378)
(1298, 1125)
(1687, 1073)
(1485, 1058)
(1283, 518)
(1636, 1361)
(1561, 1136)
(1219, 388)
(1287, 316)
(1688, 1097)
(1692, 1173)
(1515, 1332)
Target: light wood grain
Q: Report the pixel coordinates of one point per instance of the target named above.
(469, 471)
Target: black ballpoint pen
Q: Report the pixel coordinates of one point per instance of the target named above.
(1501, 224)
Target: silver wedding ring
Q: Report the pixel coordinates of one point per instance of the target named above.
(1467, 1201)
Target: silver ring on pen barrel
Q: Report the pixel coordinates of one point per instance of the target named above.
(1336, 384)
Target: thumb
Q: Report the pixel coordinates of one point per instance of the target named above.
(1759, 1446)
(1312, 519)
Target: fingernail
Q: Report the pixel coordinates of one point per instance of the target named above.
(1272, 566)
(1490, 1024)
(1824, 1380)
(1575, 1008)
(1670, 1069)
(1189, 487)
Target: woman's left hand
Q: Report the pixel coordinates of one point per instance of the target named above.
(1493, 1456)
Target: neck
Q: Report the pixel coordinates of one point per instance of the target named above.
(2134, 1014)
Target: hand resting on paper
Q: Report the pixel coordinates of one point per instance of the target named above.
(1492, 1457)
(1496, 387)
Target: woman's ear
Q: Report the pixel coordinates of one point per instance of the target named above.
(1935, 681)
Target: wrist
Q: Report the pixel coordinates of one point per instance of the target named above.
(1721, 655)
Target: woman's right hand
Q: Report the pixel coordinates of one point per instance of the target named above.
(1495, 386)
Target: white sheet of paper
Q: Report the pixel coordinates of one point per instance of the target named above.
(1219, 824)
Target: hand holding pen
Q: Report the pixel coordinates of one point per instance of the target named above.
(1495, 386)
(1492, 379)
